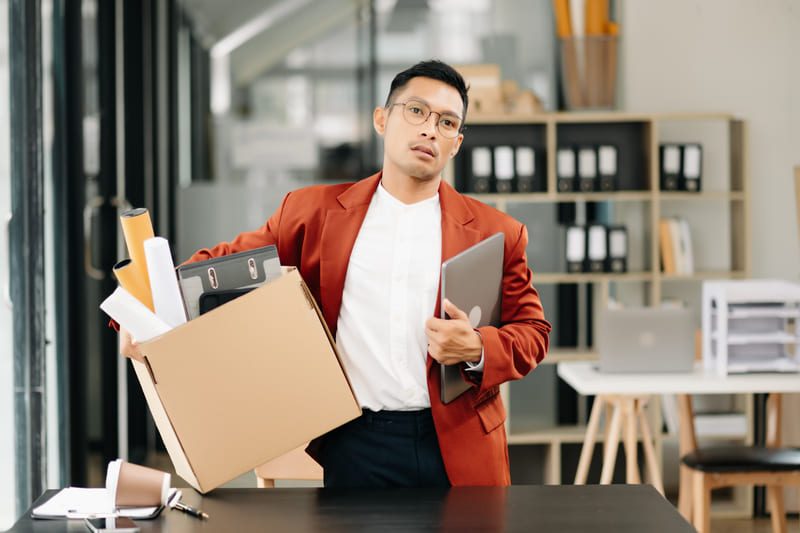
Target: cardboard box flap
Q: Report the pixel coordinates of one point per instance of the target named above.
(246, 382)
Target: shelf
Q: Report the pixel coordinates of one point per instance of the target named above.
(705, 275)
(777, 337)
(764, 312)
(593, 117)
(589, 277)
(549, 435)
(702, 195)
(543, 197)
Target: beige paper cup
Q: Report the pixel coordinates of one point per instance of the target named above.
(133, 485)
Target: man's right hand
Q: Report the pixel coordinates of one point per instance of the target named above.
(128, 346)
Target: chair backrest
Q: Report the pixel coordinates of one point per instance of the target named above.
(296, 464)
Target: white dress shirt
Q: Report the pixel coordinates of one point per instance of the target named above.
(389, 292)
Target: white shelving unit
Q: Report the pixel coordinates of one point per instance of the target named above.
(751, 326)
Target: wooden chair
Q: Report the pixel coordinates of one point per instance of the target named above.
(295, 464)
(705, 469)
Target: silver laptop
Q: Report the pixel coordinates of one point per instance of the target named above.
(645, 339)
(473, 281)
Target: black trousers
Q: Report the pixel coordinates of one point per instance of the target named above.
(385, 449)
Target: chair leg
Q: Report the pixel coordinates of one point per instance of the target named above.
(777, 508)
(685, 496)
(701, 504)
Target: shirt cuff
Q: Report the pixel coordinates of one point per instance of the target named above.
(476, 367)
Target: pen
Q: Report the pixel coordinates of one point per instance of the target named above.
(191, 510)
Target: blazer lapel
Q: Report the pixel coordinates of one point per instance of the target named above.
(339, 233)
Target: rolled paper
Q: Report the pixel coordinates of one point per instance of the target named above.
(131, 278)
(137, 228)
(132, 315)
(133, 485)
(167, 300)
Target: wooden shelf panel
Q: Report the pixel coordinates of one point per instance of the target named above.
(588, 277)
(558, 355)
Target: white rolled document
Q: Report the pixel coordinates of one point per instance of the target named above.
(133, 315)
(167, 300)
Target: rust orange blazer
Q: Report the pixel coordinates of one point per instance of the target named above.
(315, 229)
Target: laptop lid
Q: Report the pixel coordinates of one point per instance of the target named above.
(473, 281)
(645, 339)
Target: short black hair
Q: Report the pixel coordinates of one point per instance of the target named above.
(436, 70)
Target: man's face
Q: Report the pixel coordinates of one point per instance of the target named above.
(419, 151)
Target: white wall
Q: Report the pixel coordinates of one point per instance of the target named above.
(739, 56)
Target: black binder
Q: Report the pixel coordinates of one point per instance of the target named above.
(691, 165)
(575, 249)
(670, 165)
(617, 249)
(529, 175)
(504, 169)
(242, 270)
(566, 170)
(479, 179)
(607, 165)
(587, 169)
(597, 247)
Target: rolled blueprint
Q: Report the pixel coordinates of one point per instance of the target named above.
(130, 278)
(132, 315)
(167, 300)
(137, 228)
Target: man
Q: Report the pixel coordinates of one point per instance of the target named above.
(371, 254)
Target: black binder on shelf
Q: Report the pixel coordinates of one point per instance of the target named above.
(607, 165)
(597, 247)
(566, 170)
(220, 275)
(528, 175)
(617, 249)
(670, 166)
(504, 169)
(691, 165)
(587, 169)
(479, 178)
(575, 249)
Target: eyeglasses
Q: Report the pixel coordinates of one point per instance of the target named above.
(416, 113)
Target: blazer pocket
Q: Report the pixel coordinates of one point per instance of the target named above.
(491, 412)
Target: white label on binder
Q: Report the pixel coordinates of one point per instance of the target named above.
(565, 163)
(481, 161)
(503, 162)
(526, 165)
(576, 243)
(672, 159)
(607, 160)
(617, 243)
(587, 163)
(691, 161)
(597, 243)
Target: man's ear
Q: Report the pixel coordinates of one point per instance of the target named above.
(457, 146)
(379, 120)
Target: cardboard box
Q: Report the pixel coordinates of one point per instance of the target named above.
(245, 383)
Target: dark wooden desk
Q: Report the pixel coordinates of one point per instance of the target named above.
(568, 508)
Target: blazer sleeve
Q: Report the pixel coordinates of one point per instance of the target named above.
(515, 348)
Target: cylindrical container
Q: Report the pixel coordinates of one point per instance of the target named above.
(589, 71)
(135, 485)
(137, 228)
(132, 281)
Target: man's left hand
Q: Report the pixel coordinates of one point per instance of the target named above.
(453, 341)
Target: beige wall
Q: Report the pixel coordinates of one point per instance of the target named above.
(741, 56)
